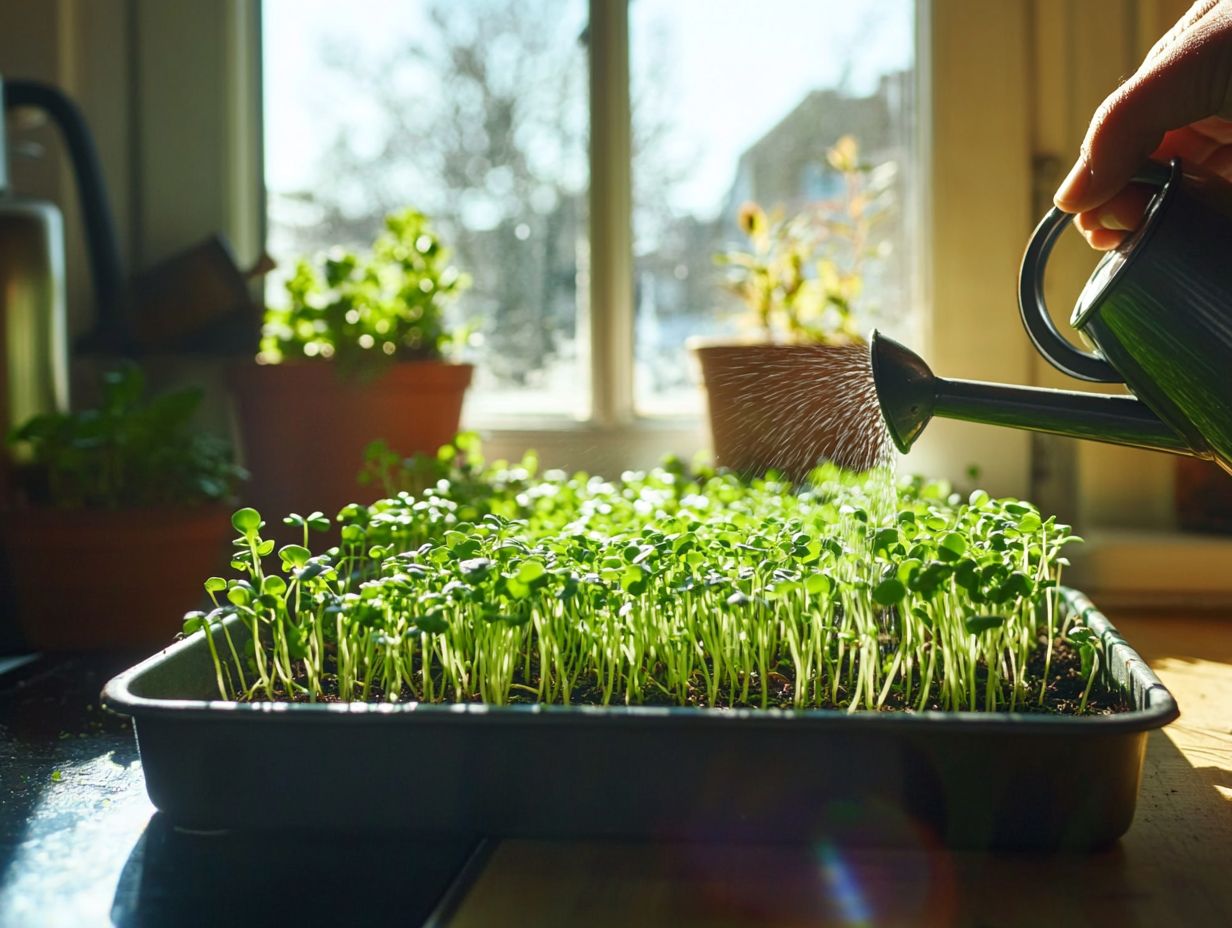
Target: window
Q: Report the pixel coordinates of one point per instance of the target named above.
(477, 112)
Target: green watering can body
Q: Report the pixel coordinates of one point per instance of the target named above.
(1158, 310)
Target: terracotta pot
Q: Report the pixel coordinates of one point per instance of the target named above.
(789, 407)
(304, 429)
(1203, 494)
(118, 580)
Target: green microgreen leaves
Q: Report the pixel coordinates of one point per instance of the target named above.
(951, 546)
(889, 591)
(977, 624)
(697, 588)
(1089, 648)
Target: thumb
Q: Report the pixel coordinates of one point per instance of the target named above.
(1185, 83)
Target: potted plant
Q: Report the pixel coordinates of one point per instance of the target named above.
(796, 391)
(117, 511)
(681, 654)
(356, 354)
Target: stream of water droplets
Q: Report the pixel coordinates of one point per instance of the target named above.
(823, 410)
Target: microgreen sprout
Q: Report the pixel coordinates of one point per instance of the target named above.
(673, 586)
(1089, 649)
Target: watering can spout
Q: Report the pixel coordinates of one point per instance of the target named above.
(910, 394)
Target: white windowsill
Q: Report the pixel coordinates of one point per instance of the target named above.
(572, 445)
(573, 426)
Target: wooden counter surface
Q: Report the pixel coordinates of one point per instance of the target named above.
(1173, 868)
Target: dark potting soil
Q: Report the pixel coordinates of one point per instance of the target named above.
(1063, 694)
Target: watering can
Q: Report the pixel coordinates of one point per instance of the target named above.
(1158, 311)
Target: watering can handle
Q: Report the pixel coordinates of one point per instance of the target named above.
(101, 240)
(1054, 346)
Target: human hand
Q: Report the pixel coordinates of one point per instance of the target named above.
(1178, 104)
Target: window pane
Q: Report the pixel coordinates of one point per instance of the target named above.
(473, 111)
(740, 100)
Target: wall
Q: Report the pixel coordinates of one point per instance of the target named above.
(1079, 53)
(43, 41)
(976, 217)
(170, 90)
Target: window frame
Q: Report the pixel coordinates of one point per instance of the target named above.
(609, 298)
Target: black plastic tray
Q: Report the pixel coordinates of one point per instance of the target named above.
(989, 780)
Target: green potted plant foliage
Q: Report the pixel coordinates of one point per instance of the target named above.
(784, 397)
(358, 353)
(116, 511)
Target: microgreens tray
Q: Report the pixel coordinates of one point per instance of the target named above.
(668, 587)
(966, 779)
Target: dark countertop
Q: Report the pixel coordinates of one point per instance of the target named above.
(81, 845)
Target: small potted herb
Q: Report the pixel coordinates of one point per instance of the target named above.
(785, 397)
(116, 511)
(358, 353)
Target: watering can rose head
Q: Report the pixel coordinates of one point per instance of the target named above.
(800, 276)
(1156, 311)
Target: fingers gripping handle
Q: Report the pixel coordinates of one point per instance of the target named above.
(1054, 346)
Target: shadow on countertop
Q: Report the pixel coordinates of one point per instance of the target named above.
(81, 845)
(180, 878)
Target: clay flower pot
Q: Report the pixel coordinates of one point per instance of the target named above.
(304, 429)
(103, 579)
(789, 407)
